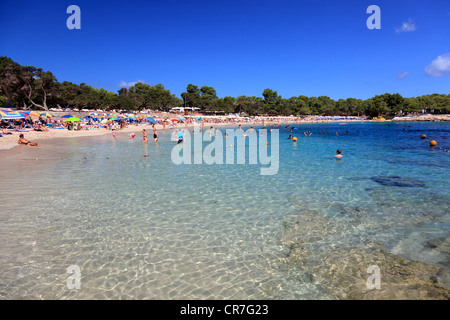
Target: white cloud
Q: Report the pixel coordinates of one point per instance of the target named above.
(402, 75)
(439, 66)
(407, 26)
(124, 84)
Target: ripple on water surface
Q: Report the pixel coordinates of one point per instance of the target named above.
(144, 228)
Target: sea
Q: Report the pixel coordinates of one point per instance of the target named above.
(94, 218)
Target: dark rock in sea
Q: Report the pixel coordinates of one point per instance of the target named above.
(357, 178)
(395, 181)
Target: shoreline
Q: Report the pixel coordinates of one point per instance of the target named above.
(10, 141)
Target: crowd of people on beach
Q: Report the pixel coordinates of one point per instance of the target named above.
(176, 122)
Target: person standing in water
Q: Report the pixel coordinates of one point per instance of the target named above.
(144, 135)
(155, 134)
(180, 136)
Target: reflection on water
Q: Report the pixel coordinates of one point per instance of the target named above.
(144, 228)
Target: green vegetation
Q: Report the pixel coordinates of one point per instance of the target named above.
(29, 87)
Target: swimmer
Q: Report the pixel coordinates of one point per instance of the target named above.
(132, 135)
(338, 154)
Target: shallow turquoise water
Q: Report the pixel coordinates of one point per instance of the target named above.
(145, 228)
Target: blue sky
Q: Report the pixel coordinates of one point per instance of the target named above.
(301, 47)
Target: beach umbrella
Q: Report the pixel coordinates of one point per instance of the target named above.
(2, 114)
(93, 114)
(31, 113)
(12, 117)
(121, 117)
(45, 114)
(13, 113)
(174, 120)
(150, 119)
(73, 119)
(67, 116)
(113, 119)
(104, 121)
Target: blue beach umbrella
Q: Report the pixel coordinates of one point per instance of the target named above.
(13, 117)
(67, 116)
(150, 119)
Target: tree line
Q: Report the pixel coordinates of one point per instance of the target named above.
(28, 87)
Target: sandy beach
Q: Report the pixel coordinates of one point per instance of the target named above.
(10, 141)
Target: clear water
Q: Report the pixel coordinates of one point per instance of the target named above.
(144, 228)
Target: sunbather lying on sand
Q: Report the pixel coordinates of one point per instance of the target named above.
(22, 140)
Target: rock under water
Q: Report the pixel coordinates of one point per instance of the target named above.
(395, 181)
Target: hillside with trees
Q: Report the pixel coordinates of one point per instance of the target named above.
(28, 87)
